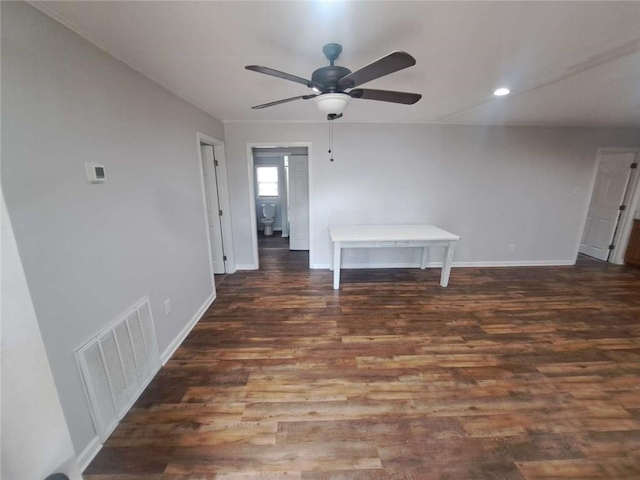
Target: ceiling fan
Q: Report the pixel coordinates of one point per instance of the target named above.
(335, 86)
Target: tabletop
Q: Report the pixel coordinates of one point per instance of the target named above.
(374, 233)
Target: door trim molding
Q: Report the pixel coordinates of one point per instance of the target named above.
(617, 253)
(621, 238)
(223, 197)
(252, 194)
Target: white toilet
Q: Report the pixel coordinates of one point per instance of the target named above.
(268, 217)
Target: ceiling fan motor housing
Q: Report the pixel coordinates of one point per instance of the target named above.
(329, 78)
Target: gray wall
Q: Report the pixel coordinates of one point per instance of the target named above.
(91, 251)
(494, 186)
(35, 437)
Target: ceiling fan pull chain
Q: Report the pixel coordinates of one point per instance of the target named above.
(331, 141)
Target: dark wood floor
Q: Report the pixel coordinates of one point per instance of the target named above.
(509, 373)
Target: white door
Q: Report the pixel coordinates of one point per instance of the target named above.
(213, 208)
(298, 202)
(608, 194)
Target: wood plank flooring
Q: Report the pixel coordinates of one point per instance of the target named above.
(509, 373)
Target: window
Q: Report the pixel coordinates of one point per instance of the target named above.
(267, 181)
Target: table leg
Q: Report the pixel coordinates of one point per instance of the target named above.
(331, 257)
(336, 265)
(446, 265)
(425, 257)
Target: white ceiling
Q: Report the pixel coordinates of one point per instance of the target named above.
(567, 63)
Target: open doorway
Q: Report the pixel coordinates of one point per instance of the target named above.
(613, 205)
(280, 203)
(215, 194)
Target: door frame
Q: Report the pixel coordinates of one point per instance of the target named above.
(252, 194)
(625, 224)
(621, 239)
(223, 198)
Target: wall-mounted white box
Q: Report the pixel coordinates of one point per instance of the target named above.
(96, 173)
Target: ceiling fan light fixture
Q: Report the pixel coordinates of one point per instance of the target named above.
(332, 103)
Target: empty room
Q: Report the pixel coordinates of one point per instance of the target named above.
(320, 240)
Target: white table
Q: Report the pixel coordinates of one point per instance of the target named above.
(377, 236)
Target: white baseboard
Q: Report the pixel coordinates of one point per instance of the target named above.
(364, 266)
(517, 263)
(89, 453)
(173, 346)
(500, 263)
(248, 266)
(358, 266)
(319, 266)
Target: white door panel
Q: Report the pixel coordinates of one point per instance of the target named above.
(213, 209)
(608, 194)
(587, 226)
(299, 202)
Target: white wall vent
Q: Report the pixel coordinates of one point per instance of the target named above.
(117, 364)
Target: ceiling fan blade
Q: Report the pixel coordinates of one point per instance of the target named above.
(283, 75)
(278, 102)
(385, 96)
(393, 62)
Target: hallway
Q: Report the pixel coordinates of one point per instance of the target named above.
(274, 254)
(509, 373)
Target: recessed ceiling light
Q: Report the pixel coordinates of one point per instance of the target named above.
(501, 92)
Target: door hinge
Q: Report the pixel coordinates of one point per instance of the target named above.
(634, 165)
(220, 212)
(224, 257)
(215, 163)
(622, 208)
(612, 246)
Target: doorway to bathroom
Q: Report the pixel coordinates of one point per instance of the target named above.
(280, 203)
